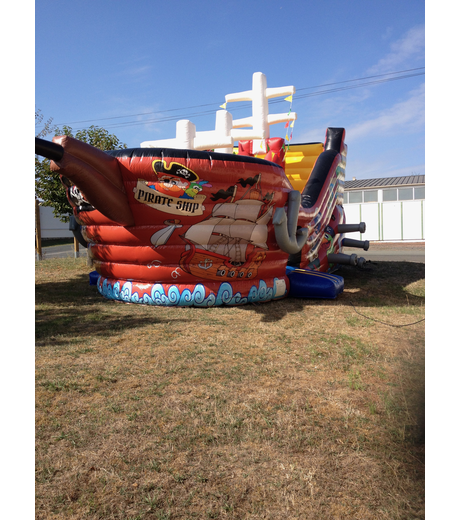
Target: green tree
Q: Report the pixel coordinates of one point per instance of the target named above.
(48, 186)
(47, 127)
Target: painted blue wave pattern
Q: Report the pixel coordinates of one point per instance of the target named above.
(186, 298)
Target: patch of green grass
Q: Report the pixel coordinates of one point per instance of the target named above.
(355, 381)
(62, 386)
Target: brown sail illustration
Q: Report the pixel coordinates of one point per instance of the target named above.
(231, 242)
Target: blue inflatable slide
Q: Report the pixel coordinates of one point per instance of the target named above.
(313, 284)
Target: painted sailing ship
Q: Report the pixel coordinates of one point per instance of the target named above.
(232, 242)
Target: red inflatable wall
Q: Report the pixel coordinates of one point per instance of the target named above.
(200, 219)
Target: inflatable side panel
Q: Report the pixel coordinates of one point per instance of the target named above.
(202, 230)
(310, 284)
(318, 178)
(321, 203)
(330, 243)
(194, 295)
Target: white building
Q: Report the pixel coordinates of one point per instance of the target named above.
(393, 208)
(52, 227)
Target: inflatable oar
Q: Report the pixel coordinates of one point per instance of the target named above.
(95, 173)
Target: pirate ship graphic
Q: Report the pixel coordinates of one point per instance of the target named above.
(175, 189)
(232, 242)
(161, 228)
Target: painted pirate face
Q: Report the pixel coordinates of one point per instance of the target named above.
(173, 184)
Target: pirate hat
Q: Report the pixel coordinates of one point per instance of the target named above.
(175, 169)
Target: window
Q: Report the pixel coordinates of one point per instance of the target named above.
(354, 197)
(390, 195)
(419, 193)
(370, 195)
(405, 193)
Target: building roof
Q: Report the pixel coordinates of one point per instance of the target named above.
(387, 182)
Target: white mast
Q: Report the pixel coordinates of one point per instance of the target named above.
(260, 119)
(227, 131)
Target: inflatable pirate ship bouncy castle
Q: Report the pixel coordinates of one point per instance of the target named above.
(172, 223)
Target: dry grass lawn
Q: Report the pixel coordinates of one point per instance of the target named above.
(297, 409)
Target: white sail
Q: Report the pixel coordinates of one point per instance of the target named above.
(247, 209)
(200, 234)
(255, 234)
(228, 236)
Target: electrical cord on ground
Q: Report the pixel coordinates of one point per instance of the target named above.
(382, 322)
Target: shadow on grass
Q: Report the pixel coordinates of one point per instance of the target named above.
(396, 274)
(384, 284)
(378, 284)
(71, 310)
(73, 291)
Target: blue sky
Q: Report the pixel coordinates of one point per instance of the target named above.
(137, 67)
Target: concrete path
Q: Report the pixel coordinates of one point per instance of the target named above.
(63, 251)
(391, 252)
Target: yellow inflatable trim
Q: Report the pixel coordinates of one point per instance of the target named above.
(299, 162)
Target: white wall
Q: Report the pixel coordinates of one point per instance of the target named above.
(388, 221)
(51, 227)
(413, 219)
